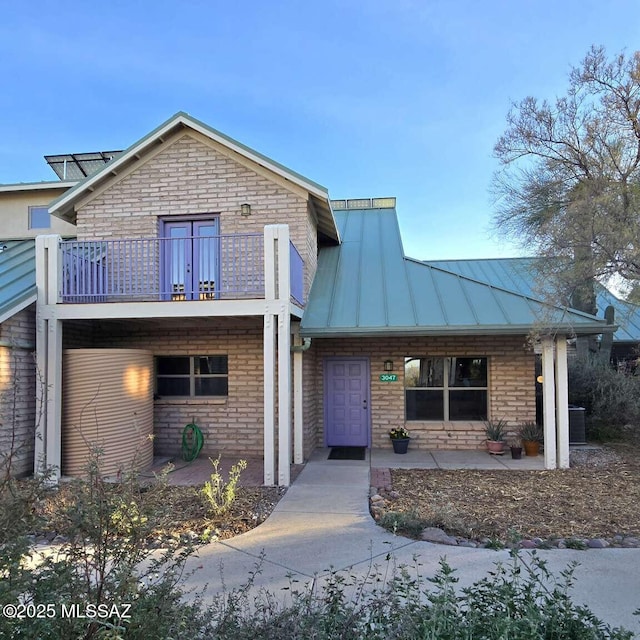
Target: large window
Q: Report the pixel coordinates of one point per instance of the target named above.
(445, 388)
(192, 376)
(39, 218)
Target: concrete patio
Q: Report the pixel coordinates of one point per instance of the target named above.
(198, 471)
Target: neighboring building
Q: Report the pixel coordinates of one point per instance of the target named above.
(24, 214)
(276, 319)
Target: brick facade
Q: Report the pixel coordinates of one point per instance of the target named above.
(511, 389)
(17, 391)
(233, 425)
(193, 175)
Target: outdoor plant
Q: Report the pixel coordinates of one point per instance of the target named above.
(495, 430)
(530, 432)
(399, 433)
(220, 494)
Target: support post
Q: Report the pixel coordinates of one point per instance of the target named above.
(549, 403)
(269, 364)
(298, 415)
(54, 396)
(562, 402)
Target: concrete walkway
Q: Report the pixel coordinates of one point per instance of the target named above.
(323, 523)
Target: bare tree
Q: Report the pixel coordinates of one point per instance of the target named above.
(569, 182)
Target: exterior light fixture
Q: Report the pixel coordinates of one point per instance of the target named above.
(388, 365)
(245, 209)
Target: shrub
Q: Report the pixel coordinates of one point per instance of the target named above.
(611, 398)
(220, 494)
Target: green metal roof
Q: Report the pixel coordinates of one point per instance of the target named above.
(17, 276)
(366, 286)
(519, 274)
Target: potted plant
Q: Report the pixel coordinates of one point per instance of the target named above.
(516, 449)
(495, 430)
(531, 435)
(399, 439)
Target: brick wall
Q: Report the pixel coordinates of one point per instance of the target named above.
(17, 391)
(193, 175)
(511, 384)
(233, 425)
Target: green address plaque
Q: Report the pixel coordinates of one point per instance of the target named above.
(388, 377)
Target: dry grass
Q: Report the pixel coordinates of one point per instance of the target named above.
(585, 501)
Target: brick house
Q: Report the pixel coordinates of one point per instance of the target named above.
(275, 318)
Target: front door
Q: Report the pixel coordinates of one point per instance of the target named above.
(346, 391)
(191, 259)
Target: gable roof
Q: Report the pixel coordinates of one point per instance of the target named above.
(366, 286)
(518, 274)
(63, 207)
(17, 276)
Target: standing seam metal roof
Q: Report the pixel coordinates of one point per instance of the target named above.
(366, 286)
(17, 276)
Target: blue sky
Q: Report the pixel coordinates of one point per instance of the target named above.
(369, 98)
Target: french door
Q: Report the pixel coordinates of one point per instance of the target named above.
(190, 259)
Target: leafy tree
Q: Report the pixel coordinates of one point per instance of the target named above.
(569, 183)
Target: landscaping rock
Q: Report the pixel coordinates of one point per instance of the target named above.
(394, 495)
(376, 498)
(597, 543)
(433, 534)
(528, 544)
(630, 542)
(467, 543)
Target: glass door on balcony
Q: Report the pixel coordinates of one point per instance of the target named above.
(191, 259)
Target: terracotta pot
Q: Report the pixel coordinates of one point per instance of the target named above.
(495, 447)
(531, 447)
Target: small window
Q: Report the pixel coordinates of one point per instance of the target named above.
(39, 218)
(192, 376)
(445, 388)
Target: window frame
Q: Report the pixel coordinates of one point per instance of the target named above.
(38, 207)
(446, 388)
(192, 376)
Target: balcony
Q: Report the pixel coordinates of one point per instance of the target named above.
(216, 267)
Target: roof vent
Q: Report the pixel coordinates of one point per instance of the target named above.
(364, 203)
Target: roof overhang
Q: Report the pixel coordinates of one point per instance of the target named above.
(38, 186)
(64, 206)
(485, 330)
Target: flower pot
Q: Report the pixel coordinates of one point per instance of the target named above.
(531, 447)
(495, 447)
(516, 453)
(400, 445)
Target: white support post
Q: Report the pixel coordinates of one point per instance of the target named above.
(549, 403)
(270, 266)
(269, 362)
(42, 282)
(48, 445)
(284, 355)
(284, 399)
(562, 402)
(298, 443)
(53, 408)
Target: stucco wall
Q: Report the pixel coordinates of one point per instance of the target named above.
(511, 375)
(17, 392)
(14, 214)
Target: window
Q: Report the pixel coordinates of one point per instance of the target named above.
(39, 218)
(192, 376)
(445, 388)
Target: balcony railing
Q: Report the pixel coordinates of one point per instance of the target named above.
(156, 269)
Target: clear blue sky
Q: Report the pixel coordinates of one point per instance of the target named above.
(367, 97)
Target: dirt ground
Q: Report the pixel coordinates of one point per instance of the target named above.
(599, 497)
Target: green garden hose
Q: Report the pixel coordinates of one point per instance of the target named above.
(192, 441)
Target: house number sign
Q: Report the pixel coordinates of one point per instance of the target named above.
(388, 377)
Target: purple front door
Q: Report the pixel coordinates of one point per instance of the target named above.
(346, 402)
